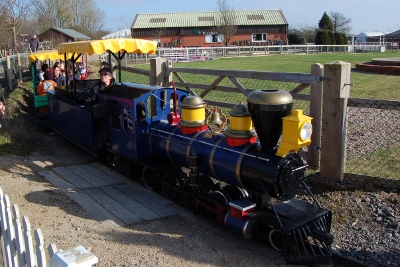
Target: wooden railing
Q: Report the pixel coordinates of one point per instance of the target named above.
(17, 244)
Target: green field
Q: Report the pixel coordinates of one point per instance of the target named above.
(366, 85)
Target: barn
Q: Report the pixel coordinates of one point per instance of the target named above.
(194, 29)
(59, 35)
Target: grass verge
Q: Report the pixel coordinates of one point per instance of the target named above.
(16, 135)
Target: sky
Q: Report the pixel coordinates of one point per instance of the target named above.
(366, 15)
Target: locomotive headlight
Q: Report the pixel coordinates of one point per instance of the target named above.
(296, 132)
(305, 131)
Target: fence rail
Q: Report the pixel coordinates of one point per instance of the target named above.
(209, 53)
(20, 249)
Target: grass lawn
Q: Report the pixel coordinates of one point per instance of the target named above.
(366, 85)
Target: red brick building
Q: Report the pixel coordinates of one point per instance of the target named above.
(191, 29)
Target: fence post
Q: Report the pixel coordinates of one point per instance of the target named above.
(9, 72)
(19, 67)
(334, 119)
(17, 246)
(4, 231)
(313, 156)
(158, 72)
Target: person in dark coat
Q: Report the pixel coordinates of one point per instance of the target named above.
(105, 83)
(34, 43)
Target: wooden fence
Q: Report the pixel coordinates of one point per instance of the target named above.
(17, 244)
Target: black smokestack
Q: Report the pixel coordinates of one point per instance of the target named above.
(267, 108)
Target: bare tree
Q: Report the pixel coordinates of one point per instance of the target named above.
(157, 33)
(82, 16)
(124, 22)
(12, 14)
(225, 22)
(307, 32)
(88, 17)
(340, 22)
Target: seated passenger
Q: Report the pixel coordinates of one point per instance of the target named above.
(82, 71)
(47, 84)
(59, 78)
(43, 69)
(105, 83)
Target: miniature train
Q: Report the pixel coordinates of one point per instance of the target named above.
(246, 180)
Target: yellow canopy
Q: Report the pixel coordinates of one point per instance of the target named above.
(47, 54)
(114, 45)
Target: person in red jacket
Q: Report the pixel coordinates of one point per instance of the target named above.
(47, 84)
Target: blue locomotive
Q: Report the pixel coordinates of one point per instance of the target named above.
(247, 180)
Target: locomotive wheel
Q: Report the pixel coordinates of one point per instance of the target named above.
(208, 183)
(235, 192)
(150, 176)
(276, 239)
(220, 197)
(171, 186)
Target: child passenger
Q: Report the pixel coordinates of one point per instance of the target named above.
(47, 84)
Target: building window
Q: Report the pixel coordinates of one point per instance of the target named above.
(260, 37)
(158, 20)
(255, 17)
(214, 38)
(210, 18)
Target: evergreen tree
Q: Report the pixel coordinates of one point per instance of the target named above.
(344, 38)
(332, 38)
(325, 23)
(294, 38)
(338, 38)
(322, 38)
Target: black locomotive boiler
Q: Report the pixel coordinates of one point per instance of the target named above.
(246, 180)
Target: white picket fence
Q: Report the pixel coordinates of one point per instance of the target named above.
(17, 246)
